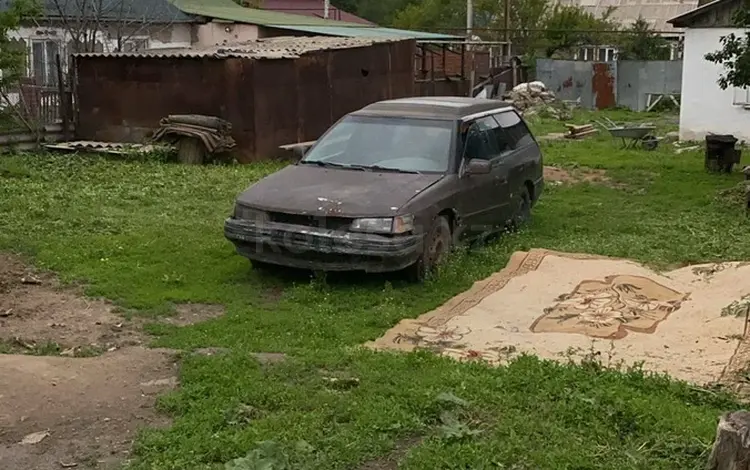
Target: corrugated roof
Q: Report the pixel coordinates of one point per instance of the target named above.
(269, 48)
(656, 12)
(230, 11)
(683, 20)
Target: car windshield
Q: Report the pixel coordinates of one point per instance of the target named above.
(385, 143)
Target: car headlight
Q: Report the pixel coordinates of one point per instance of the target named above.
(248, 213)
(395, 225)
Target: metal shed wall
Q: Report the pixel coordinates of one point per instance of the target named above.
(270, 102)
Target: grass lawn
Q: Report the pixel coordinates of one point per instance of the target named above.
(149, 235)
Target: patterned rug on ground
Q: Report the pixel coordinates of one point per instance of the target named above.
(689, 323)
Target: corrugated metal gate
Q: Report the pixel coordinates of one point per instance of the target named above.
(590, 83)
(599, 85)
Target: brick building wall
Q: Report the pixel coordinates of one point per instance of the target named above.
(447, 63)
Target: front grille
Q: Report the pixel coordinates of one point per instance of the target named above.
(332, 223)
(320, 257)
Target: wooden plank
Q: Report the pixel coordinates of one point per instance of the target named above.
(300, 145)
(576, 129)
(580, 135)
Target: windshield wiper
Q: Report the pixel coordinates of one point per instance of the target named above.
(324, 163)
(385, 168)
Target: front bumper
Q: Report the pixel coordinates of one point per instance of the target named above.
(314, 248)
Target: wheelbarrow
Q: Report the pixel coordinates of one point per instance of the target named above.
(632, 135)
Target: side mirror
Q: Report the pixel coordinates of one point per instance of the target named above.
(476, 166)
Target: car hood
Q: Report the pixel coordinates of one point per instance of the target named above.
(313, 190)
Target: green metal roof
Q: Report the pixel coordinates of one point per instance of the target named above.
(230, 11)
(374, 31)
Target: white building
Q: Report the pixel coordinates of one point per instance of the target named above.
(655, 12)
(706, 108)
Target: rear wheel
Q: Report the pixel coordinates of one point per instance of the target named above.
(523, 209)
(436, 248)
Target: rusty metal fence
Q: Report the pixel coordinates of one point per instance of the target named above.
(270, 102)
(598, 85)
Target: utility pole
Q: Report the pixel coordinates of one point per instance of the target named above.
(469, 27)
(506, 37)
(327, 8)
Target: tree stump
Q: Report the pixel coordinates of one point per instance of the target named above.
(731, 450)
(190, 151)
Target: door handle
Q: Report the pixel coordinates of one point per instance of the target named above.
(501, 180)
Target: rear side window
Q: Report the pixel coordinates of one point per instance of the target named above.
(515, 129)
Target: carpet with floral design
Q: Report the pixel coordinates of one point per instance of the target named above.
(689, 323)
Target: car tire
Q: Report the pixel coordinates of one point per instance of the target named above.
(522, 214)
(437, 245)
(265, 267)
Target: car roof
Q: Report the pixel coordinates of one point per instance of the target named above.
(434, 107)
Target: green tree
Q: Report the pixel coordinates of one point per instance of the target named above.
(12, 57)
(569, 27)
(249, 3)
(352, 6)
(642, 43)
(536, 25)
(382, 12)
(432, 15)
(734, 54)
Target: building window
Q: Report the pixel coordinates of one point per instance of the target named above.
(43, 61)
(600, 54)
(741, 96)
(135, 45)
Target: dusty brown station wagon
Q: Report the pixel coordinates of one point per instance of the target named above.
(393, 186)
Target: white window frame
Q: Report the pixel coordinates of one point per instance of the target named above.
(50, 78)
(136, 40)
(741, 96)
(591, 53)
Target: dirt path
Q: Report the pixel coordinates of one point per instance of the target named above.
(88, 408)
(77, 383)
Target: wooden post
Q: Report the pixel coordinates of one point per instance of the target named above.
(62, 99)
(432, 72)
(445, 66)
(731, 450)
(463, 61)
(424, 62)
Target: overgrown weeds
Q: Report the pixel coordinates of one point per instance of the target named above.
(148, 235)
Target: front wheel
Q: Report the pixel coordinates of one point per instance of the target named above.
(437, 245)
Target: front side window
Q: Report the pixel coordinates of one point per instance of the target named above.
(386, 143)
(484, 139)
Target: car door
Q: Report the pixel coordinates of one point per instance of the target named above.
(483, 198)
(521, 159)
